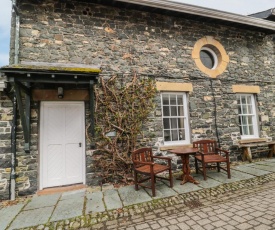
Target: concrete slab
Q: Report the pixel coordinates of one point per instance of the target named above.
(32, 217)
(112, 200)
(209, 183)
(73, 194)
(163, 190)
(271, 160)
(42, 201)
(130, 196)
(68, 208)
(250, 164)
(7, 214)
(237, 175)
(94, 202)
(264, 167)
(269, 163)
(221, 177)
(185, 188)
(251, 170)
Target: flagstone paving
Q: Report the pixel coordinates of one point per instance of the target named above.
(80, 207)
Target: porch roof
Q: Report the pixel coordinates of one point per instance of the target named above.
(50, 72)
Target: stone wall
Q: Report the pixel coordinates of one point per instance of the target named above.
(123, 40)
(5, 145)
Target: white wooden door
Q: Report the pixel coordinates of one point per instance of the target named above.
(62, 130)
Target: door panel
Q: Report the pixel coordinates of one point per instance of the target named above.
(74, 172)
(62, 129)
(54, 165)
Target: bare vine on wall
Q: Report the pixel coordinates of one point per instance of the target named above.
(122, 108)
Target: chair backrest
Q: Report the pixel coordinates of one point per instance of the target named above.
(206, 146)
(142, 155)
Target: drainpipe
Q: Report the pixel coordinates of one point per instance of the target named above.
(16, 34)
(13, 130)
(13, 149)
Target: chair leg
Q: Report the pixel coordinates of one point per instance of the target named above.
(136, 180)
(153, 185)
(204, 171)
(196, 166)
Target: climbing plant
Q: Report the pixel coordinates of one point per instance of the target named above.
(123, 105)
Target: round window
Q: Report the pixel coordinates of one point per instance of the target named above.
(208, 58)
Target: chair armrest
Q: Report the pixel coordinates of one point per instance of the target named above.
(202, 154)
(143, 162)
(163, 158)
(223, 151)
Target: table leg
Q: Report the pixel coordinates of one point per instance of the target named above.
(186, 177)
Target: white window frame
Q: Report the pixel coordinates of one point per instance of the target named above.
(185, 118)
(253, 114)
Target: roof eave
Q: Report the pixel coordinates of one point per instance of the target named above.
(205, 12)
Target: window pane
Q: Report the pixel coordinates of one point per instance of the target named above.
(165, 99)
(173, 99)
(175, 135)
(249, 109)
(239, 109)
(243, 100)
(181, 122)
(181, 134)
(245, 130)
(251, 130)
(207, 59)
(166, 111)
(174, 123)
(241, 130)
(244, 109)
(249, 120)
(166, 123)
(242, 120)
(248, 100)
(174, 111)
(180, 111)
(167, 135)
(180, 99)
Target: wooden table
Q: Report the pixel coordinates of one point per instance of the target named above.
(184, 153)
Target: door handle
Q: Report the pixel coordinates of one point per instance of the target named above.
(79, 144)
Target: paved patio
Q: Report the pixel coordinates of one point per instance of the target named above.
(45, 209)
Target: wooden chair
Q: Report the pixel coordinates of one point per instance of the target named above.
(208, 155)
(143, 162)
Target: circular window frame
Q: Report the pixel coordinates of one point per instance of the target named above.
(213, 54)
(211, 45)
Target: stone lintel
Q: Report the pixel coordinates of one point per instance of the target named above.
(174, 87)
(245, 89)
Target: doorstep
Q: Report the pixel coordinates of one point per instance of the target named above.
(48, 191)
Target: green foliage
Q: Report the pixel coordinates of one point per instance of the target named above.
(123, 109)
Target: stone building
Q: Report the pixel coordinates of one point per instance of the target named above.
(214, 72)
